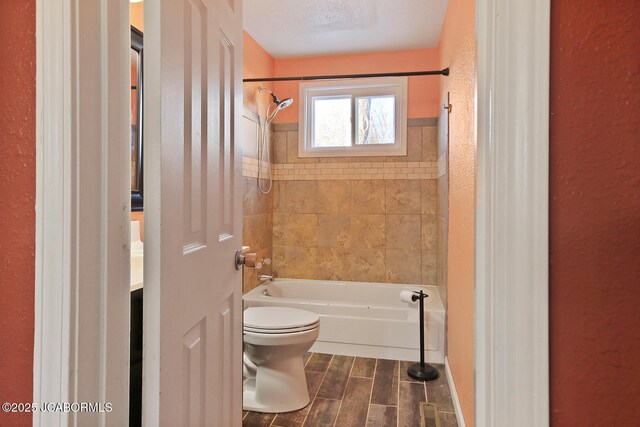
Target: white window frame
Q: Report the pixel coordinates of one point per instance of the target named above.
(377, 86)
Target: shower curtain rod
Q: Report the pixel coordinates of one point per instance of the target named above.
(444, 72)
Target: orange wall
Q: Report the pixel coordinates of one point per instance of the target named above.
(423, 91)
(595, 213)
(136, 15)
(17, 210)
(257, 63)
(458, 52)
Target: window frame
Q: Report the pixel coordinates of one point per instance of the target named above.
(354, 88)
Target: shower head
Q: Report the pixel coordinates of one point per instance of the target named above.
(280, 105)
(284, 103)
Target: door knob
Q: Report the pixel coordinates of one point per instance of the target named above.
(249, 259)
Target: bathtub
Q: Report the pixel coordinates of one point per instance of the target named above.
(361, 319)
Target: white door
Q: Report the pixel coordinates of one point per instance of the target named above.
(193, 217)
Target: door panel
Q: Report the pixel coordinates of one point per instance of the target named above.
(193, 294)
(194, 373)
(227, 121)
(195, 124)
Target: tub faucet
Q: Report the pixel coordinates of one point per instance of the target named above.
(264, 278)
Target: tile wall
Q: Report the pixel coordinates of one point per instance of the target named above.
(359, 219)
(257, 208)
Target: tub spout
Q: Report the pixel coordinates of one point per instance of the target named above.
(264, 278)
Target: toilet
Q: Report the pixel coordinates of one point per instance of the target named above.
(275, 342)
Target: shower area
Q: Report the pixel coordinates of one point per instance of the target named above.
(369, 220)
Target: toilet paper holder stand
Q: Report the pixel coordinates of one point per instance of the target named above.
(421, 371)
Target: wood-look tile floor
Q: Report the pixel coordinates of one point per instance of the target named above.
(360, 392)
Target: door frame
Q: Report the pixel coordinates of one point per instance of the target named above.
(512, 213)
(80, 216)
(81, 337)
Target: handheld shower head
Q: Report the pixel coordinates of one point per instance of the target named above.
(280, 105)
(263, 146)
(285, 103)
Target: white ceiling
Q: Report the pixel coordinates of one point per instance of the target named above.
(319, 27)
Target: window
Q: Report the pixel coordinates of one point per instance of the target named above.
(364, 117)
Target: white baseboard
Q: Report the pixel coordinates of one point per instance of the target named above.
(454, 394)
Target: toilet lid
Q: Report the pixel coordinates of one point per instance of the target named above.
(278, 319)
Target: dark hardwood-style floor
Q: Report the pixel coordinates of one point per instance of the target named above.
(357, 392)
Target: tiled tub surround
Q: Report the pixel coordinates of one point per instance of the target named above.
(368, 219)
(355, 230)
(257, 208)
(371, 219)
(257, 229)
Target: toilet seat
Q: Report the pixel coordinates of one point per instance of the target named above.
(280, 331)
(279, 320)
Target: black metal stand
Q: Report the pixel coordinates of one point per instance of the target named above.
(422, 371)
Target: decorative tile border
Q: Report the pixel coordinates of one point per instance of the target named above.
(423, 121)
(415, 122)
(284, 127)
(250, 167)
(337, 171)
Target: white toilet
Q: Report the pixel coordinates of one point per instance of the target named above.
(275, 341)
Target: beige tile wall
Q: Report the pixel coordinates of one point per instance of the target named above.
(421, 147)
(257, 229)
(257, 210)
(355, 170)
(379, 230)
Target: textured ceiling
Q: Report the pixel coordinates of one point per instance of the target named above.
(318, 27)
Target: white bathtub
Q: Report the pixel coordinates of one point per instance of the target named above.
(361, 319)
